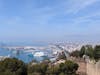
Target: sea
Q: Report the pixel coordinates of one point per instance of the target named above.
(26, 56)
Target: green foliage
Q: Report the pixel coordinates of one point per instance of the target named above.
(93, 53)
(61, 73)
(12, 67)
(16, 67)
(97, 52)
(82, 51)
(75, 53)
(89, 51)
(67, 68)
(54, 70)
(38, 68)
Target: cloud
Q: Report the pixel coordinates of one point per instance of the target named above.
(74, 6)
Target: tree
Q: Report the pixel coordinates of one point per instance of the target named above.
(54, 70)
(40, 68)
(82, 51)
(13, 66)
(43, 68)
(89, 51)
(75, 53)
(97, 52)
(69, 68)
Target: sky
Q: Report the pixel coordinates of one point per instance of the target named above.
(49, 20)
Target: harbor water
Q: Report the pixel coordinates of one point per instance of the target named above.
(36, 55)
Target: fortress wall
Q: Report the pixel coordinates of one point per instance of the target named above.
(93, 68)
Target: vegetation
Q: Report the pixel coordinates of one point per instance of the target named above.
(12, 67)
(67, 68)
(93, 53)
(97, 53)
(39, 69)
(75, 53)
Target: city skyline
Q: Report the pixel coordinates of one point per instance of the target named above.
(49, 20)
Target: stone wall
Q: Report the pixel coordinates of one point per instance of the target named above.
(93, 68)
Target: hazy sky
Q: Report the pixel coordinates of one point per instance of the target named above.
(46, 20)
